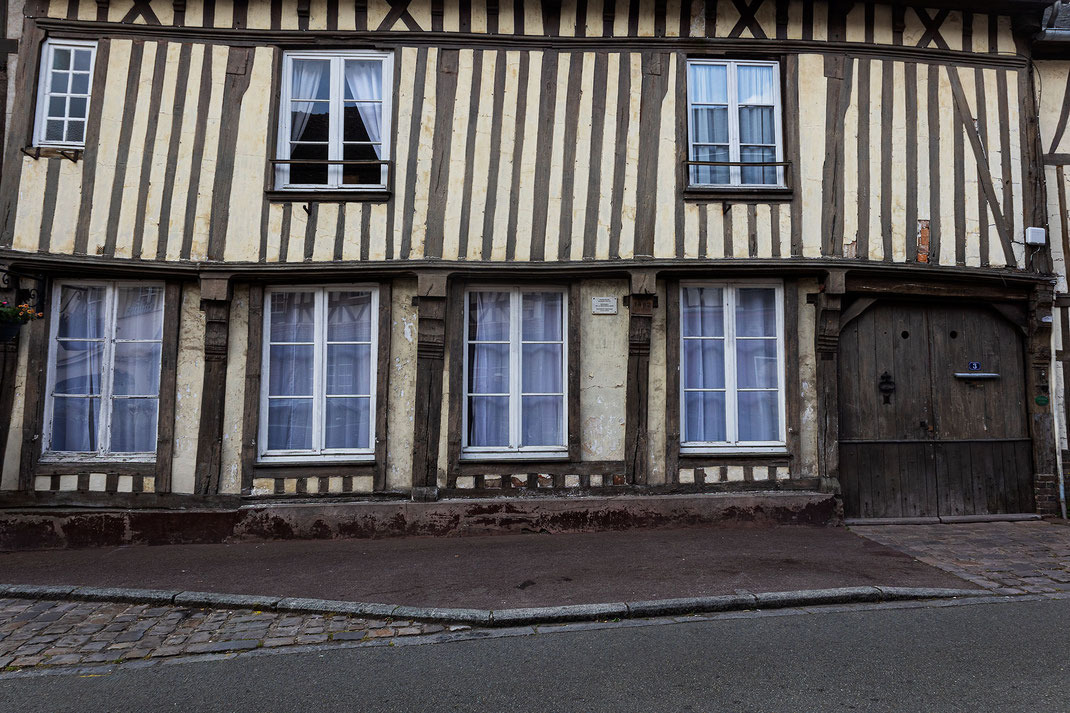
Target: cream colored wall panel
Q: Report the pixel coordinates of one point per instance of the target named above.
(224, 12)
(568, 18)
(595, 9)
(766, 17)
(727, 17)
(295, 251)
(258, 17)
(785, 230)
(856, 24)
(1055, 226)
(506, 19)
(250, 157)
(808, 387)
(581, 172)
(479, 17)
(377, 226)
(351, 240)
(423, 162)
(620, 24)
(672, 14)
(195, 13)
(326, 229)
(924, 170)
(795, 13)
(451, 17)
(646, 18)
(763, 223)
(994, 152)
(971, 209)
(179, 194)
(740, 230)
(65, 220)
(665, 217)
(289, 15)
(947, 171)
(812, 126)
(631, 164)
(501, 236)
(532, 18)
(820, 18)
(850, 164)
(951, 30)
(715, 231)
(111, 123)
(189, 381)
(317, 14)
(377, 12)
(1018, 239)
(230, 474)
(882, 24)
(1051, 79)
(1005, 36)
(899, 164)
(557, 150)
(408, 58)
(274, 232)
(603, 373)
(158, 165)
(401, 418)
(483, 154)
(28, 210)
(526, 188)
(876, 190)
(451, 224)
(691, 230)
(656, 398)
(132, 180)
(203, 215)
(9, 469)
(609, 154)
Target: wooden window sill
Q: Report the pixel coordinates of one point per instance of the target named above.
(87, 466)
(300, 196)
(739, 195)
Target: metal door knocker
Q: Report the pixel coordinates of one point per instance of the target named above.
(887, 387)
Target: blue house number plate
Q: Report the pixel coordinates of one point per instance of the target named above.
(975, 366)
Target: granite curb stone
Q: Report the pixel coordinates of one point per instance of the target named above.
(497, 617)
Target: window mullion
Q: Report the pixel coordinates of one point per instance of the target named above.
(334, 130)
(111, 306)
(516, 367)
(731, 398)
(733, 123)
(319, 361)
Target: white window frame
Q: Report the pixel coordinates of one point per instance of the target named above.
(319, 379)
(43, 93)
(732, 444)
(515, 450)
(103, 452)
(734, 172)
(335, 131)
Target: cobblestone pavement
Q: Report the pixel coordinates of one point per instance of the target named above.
(1006, 557)
(51, 633)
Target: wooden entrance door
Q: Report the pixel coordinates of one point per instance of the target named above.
(932, 413)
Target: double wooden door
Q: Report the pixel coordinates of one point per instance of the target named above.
(932, 412)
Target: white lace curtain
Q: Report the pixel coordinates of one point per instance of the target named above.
(365, 83)
(306, 79)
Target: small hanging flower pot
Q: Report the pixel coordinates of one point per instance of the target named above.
(14, 316)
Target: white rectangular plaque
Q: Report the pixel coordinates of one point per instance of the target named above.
(603, 305)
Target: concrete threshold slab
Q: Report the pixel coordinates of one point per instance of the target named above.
(493, 617)
(943, 519)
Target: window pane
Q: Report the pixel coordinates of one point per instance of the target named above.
(133, 425)
(703, 364)
(709, 125)
(137, 369)
(291, 316)
(362, 121)
(75, 131)
(349, 368)
(755, 85)
(541, 421)
(756, 364)
(308, 174)
(702, 312)
(765, 175)
(364, 79)
(711, 175)
(349, 316)
(488, 316)
(756, 312)
(758, 416)
(348, 423)
(61, 58)
(541, 316)
(310, 121)
(139, 313)
(704, 416)
(488, 421)
(60, 82)
(78, 367)
(709, 83)
(756, 125)
(488, 368)
(289, 424)
(311, 79)
(77, 107)
(54, 130)
(74, 424)
(542, 369)
(82, 59)
(290, 370)
(367, 174)
(81, 313)
(57, 106)
(80, 83)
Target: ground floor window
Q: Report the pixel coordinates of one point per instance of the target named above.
(732, 364)
(319, 366)
(515, 372)
(104, 352)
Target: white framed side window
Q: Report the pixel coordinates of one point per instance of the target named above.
(732, 367)
(64, 92)
(103, 380)
(515, 373)
(335, 119)
(318, 381)
(734, 119)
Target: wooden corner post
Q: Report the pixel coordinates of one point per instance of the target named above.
(1038, 402)
(827, 337)
(637, 399)
(430, 361)
(215, 303)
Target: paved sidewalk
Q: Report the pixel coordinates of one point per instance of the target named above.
(1006, 557)
(45, 633)
(496, 572)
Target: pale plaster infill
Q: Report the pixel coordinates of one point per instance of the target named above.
(657, 401)
(402, 392)
(808, 423)
(9, 477)
(188, 384)
(603, 372)
(234, 409)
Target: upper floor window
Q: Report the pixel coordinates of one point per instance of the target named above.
(63, 93)
(104, 370)
(334, 128)
(733, 120)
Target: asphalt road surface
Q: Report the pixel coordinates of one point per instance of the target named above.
(981, 657)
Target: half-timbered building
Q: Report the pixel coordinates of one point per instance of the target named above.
(369, 249)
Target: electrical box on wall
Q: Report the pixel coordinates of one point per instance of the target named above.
(1036, 236)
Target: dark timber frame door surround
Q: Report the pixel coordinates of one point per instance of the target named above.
(932, 405)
